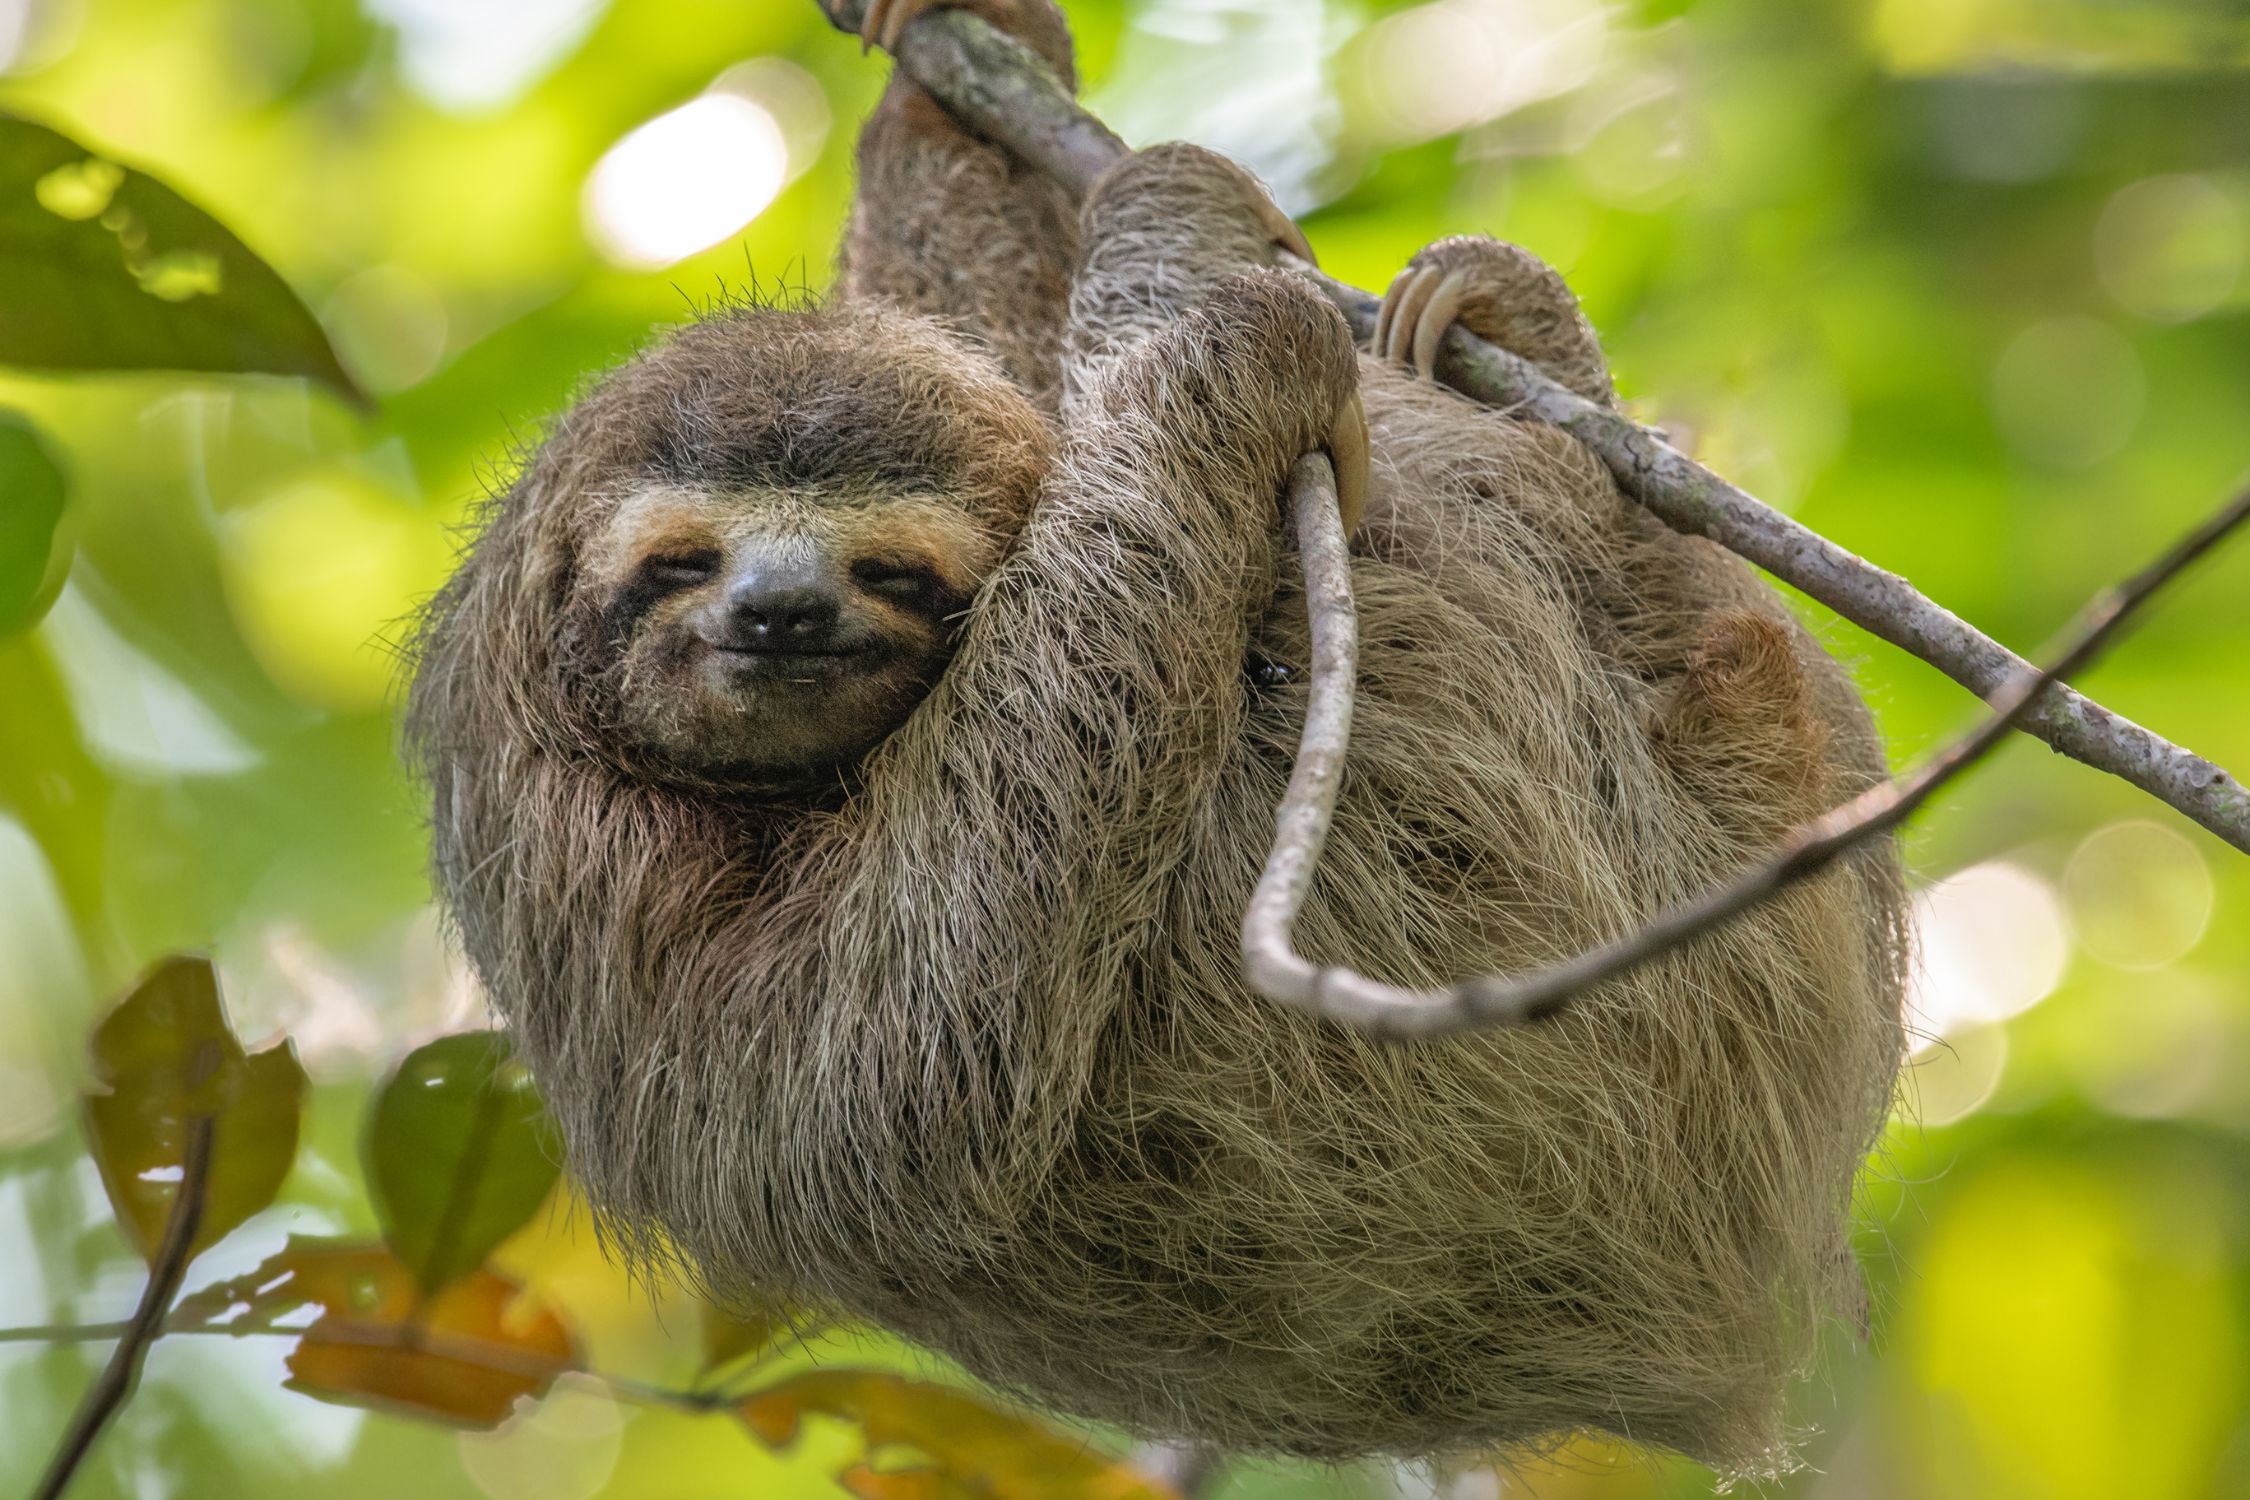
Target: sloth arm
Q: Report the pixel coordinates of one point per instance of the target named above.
(1013, 838)
(950, 225)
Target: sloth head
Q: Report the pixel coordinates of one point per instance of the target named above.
(762, 633)
(740, 561)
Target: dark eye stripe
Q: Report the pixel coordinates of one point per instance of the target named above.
(656, 578)
(682, 569)
(910, 585)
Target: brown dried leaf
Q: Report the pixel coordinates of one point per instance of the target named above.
(464, 1355)
(974, 1449)
(903, 1484)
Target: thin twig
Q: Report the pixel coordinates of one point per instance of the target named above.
(1301, 826)
(1000, 89)
(482, 1354)
(115, 1383)
(407, 1337)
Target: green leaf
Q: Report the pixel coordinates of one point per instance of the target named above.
(164, 1057)
(105, 268)
(457, 1154)
(31, 507)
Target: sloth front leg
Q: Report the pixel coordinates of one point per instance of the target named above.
(1163, 232)
(1504, 295)
(1159, 233)
(946, 223)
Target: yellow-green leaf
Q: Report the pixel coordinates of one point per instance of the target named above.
(164, 1057)
(457, 1154)
(970, 1446)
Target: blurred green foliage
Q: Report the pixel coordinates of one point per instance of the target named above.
(1965, 284)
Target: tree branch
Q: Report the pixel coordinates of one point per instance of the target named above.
(115, 1383)
(1301, 826)
(1001, 90)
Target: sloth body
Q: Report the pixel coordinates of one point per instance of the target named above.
(898, 975)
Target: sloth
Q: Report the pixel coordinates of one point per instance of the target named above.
(853, 737)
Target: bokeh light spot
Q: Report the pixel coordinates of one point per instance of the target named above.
(795, 99)
(1990, 944)
(685, 181)
(565, 1448)
(1438, 68)
(2171, 248)
(1950, 1082)
(2140, 895)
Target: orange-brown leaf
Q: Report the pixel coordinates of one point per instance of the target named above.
(464, 1355)
(903, 1484)
(973, 1447)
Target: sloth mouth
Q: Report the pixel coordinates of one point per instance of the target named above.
(796, 653)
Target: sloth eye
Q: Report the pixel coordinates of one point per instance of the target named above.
(906, 582)
(680, 570)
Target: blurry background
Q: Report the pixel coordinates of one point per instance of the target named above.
(1962, 283)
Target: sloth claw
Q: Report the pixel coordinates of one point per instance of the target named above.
(1422, 303)
(1349, 453)
(1284, 229)
(887, 20)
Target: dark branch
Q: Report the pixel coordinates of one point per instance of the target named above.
(999, 89)
(1280, 973)
(115, 1383)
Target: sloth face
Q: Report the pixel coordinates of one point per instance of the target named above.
(771, 639)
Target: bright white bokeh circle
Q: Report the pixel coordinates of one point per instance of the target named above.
(685, 181)
(1990, 943)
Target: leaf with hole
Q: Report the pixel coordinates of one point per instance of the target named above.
(164, 1056)
(962, 1444)
(457, 1154)
(105, 268)
(464, 1355)
(32, 493)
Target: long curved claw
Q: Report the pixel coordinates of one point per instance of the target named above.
(887, 20)
(1349, 452)
(1387, 314)
(1284, 229)
(1436, 317)
(1402, 312)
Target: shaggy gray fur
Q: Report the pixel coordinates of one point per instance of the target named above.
(965, 1050)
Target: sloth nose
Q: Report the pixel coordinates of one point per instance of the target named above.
(782, 607)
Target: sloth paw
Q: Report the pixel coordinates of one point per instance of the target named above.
(1502, 294)
(1035, 22)
(1186, 198)
(887, 20)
